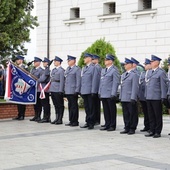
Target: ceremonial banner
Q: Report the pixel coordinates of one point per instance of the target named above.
(21, 88)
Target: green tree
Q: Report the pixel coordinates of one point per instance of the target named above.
(165, 65)
(15, 24)
(100, 47)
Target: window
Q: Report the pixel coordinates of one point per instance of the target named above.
(109, 8)
(74, 13)
(145, 4)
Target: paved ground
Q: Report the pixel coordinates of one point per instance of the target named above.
(28, 145)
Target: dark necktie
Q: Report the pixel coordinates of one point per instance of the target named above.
(126, 73)
(106, 70)
(152, 71)
(69, 68)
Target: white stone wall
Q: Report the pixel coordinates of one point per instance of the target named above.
(139, 37)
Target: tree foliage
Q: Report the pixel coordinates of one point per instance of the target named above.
(100, 47)
(15, 24)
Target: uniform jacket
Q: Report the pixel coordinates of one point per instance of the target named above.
(57, 80)
(109, 82)
(37, 72)
(72, 80)
(142, 85)
(129, 86)
(45, 77)
(96, 79)
(156, 85)
(87, 76)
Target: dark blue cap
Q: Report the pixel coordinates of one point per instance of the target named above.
(46, 60)
(19, 57)
(95, 57)
(36, 59)
(110, 57)
(155, 58)
(134, 61)
(88, 55)
(69, 57)
(168, 60)
(128, 61)
(58, 59)
(147, 61)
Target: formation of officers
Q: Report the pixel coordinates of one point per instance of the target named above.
(96, 84)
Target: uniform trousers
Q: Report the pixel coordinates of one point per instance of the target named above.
(88, 105)
(96, 108)
(21, 110)
(130, 115)
(46, 107)
(73, 108)
(38, 106)
(146, 116)
(58, 102)
(110, 112)
(155, 115)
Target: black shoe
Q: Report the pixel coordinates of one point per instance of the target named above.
(144, 130)
(44, 121)
(68, 124)
(21, 118)
(111, 129)
(38, 120)
(150, 134)
(124, 132)
(74, 124)
(59, 122)
(157, 135)
(16, 118)
(103, 125)
(131, 132)
(33, 119)
(53, 122)
(168, 133)
(104, 128)
(91, 127)
(84, 126)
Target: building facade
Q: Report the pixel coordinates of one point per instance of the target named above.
(136, 28)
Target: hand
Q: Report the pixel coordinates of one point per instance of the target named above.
(164, 101)
(133, 101)
(29, 63)
(113, 97)
(50, 63)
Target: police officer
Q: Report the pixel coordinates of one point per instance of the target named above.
(142, 98)
(87, 77)
(57, 90)
(95, 96)
(21, 108)
(44, 80)
(128, 97)
(37, 71)
(72, 89)
(135, 64)
(110, 80)
(156, 91)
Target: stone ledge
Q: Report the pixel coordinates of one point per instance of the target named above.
(150, 12)
(74, 21)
